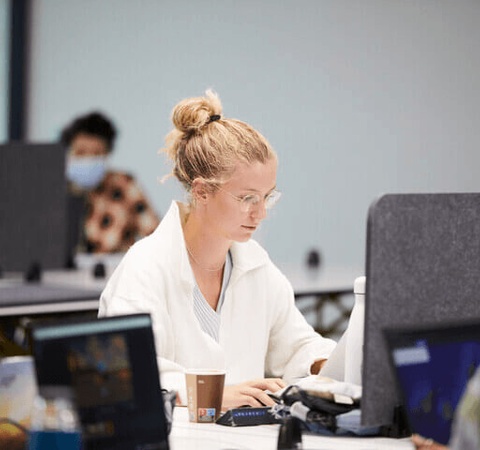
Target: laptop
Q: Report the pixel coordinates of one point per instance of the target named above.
(109, 368)
(432, 366)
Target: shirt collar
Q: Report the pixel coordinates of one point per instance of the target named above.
(246, 256)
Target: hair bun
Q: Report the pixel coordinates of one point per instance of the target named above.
(194, 113)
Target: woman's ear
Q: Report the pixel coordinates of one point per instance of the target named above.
(200, 190)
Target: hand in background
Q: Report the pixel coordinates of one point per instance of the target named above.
(251, 393)
(426, 444)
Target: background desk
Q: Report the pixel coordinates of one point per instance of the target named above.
(18, 298)
(324, 295)
(59, 294)
(59, 291)
(193, 436)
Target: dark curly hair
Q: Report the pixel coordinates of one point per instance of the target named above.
(95, 124)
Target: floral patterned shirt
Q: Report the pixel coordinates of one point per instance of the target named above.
(117, 213)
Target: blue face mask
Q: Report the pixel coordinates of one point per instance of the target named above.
(86, 172)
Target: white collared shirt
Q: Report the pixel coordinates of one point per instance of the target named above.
(261, 332)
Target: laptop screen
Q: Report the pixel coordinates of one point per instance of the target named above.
(109, 366)
(432, 367)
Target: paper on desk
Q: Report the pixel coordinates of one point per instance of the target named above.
(328, 388)
(338, 391)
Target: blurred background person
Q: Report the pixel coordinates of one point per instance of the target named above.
(107, 209)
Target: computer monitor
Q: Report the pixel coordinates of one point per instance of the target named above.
(432, 366)
(33, 196)
(109, 368)
(422, 266)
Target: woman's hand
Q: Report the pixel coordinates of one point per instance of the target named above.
(426, 444)
(317, 366)
(251, 393)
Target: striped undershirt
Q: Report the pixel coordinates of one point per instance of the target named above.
(208, 318)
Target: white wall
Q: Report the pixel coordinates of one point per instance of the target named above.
(358, 98)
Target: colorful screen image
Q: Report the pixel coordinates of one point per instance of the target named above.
(432, 377)
(100, 370)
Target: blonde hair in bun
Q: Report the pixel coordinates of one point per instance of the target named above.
(204, 144)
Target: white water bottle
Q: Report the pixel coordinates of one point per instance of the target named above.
(354, 344)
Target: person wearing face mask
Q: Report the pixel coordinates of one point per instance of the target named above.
(107, 210)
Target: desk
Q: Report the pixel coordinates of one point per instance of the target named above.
(60, 291)
(331, 288)
(82, 290)
(72, 292)
(196, 436)
(59, 294)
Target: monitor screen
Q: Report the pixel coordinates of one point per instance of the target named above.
(33, 206)
(433, 366)
(109, 365)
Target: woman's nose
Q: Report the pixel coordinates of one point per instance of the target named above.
(260, 210)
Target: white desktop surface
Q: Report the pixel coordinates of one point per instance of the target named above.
(201, 436)
(52, 292)
(322, 280)
(304, 280)
(59, 291)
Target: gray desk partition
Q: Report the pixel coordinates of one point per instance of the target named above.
(33, 196)
(422, 267)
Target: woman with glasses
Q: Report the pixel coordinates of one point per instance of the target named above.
(216, 299)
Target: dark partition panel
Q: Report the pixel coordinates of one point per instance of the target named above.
(422, 267)
(32, 206)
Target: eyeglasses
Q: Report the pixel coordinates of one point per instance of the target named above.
(252, 201)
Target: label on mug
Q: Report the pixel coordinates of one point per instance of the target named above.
(206, 414)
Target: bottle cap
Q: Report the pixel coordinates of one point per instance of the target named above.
(359, 285)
